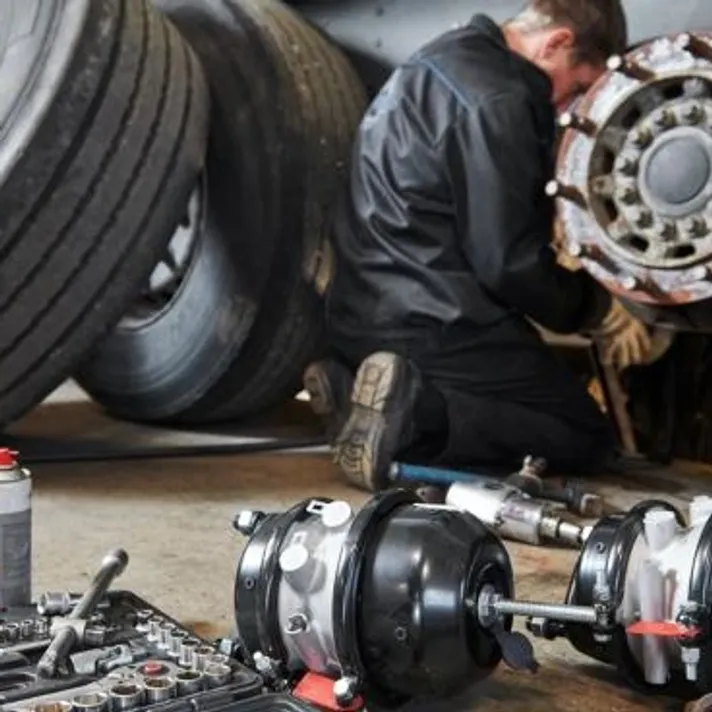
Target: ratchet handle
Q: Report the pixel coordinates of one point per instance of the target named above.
(66, 637)
(58, 650)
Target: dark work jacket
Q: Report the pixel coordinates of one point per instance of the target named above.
(445, 222)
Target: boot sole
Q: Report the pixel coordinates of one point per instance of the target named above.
(357, 447)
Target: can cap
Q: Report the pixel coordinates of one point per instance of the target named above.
(7, 457)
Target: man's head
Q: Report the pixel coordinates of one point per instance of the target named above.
(570, 40)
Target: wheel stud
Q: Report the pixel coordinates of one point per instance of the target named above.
(631, 69)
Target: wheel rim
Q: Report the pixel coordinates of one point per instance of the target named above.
(168, 276)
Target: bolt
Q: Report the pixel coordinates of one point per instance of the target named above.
(297, 623)
(696, 46)
(570, 120)
(246, 522)
(401, 634)
(643, 137)
(629, 167)
(345, 689)
(667, 231)
(629, 195)
(644, 218)
(695, 114)
(697, 227)
(630, 68)
(691, 659)
(629, 282)
(666, 119)
(554, 189)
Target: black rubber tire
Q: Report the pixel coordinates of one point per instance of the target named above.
(247, 318)
(96, 166)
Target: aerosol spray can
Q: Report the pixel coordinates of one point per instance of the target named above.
(15, 532)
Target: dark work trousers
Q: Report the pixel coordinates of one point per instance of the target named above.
(506, 395)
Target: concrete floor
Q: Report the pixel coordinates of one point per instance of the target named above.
(174, 519)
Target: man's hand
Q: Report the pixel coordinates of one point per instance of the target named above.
(622, 339)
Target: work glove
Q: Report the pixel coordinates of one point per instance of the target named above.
(622, 340)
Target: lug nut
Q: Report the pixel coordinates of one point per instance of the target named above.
(644, 219)
(643, 137)
(666, 119)
(694, 115)
(570, 120)
(629, 196)
(629, 167)
(631, 69)
(696, 46)
(667, 231)
(554, 189)
(697, 227)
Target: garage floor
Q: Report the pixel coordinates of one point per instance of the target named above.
(174, 519)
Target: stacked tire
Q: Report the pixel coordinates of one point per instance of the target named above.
(168, 172)
(103, 122)
(237, 332)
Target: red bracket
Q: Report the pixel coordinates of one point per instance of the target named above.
(318, 690)
(662, 629)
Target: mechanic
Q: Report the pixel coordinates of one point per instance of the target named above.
(444, 259)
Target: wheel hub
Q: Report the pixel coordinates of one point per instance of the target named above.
(634, 173)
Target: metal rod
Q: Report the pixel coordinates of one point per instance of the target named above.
(553, 611)
(66, 638)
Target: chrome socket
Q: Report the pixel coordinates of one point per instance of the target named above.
(60, 706)
(200, 658)
(154, 628)
(125, 696)
(217, 675)
(187, 653)
(217, 659)
(41, 628)
(165, 630)
(12, 632)
(27, 628)
(160, 689)
(189, 682)
(175, 642)
(91, 702)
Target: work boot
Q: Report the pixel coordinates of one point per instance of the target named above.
(380, 423)
(329, 385)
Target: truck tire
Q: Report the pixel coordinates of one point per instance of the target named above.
(100, 145)
(238, 331)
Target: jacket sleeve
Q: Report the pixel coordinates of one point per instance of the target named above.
(499, 168)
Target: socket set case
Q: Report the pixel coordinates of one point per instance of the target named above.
(132, 657)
